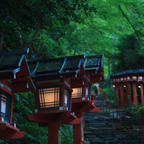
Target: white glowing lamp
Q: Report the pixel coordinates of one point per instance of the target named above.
(77, 92)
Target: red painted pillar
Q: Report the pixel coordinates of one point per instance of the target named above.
(53, 133)
(11, 113)
(115, 91)
(119, 94)
(130, 94)
(62, 96)
(122, 94)
(125, 93)
(84, 91)
(142, 96)
(78, 132)
(134, 94)
(36, 99)
(127, 102)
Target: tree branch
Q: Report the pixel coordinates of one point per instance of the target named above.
(127, 18)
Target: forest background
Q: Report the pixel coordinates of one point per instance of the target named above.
(54, 28)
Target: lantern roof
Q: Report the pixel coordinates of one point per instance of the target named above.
(50, 66)
(63, 65)
(129, 72)
(57, 66)
(93, 68)
(72, 64)
(93, 62)
(10, 62)
(13, 66)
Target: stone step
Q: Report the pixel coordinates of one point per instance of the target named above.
(99, 125)
(112, 125)
(97, 120)
(116, 135)
(114, 138)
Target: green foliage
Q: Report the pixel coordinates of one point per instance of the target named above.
(66, 134)
(136, 110)
(56, 28)
(128, 56)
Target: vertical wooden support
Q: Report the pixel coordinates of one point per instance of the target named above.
(62, 96)
(127, 102)
(11, 112)
(115, 91)
(84, 91)
(36, 99)
(122, 94)
(119, 94)
(142, 96)
(134, 94)
(53, 133)
(130, 94)
(78, 132)
(125, 94)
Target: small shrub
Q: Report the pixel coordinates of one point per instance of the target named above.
(136, 110)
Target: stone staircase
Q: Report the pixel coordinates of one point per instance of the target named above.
(113, 126)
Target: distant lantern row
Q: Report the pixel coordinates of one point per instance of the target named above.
(128, 78)
(128, 86)
(139, 86)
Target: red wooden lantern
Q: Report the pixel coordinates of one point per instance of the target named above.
(134, 78)
(81, 100)
(128, 78)
(53, 96)
(14, 77)
(80, 95)
(140, 78)
(79, 82)
(63, 94)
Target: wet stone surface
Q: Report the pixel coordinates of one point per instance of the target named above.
(112, 127)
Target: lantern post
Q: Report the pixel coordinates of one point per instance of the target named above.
(53, 97)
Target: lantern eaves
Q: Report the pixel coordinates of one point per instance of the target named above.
(93, 62)
(50, 66)
(10, 62)
(128, 72)
(14, 66)
(57, 66)
(93, 68)
(73, 62)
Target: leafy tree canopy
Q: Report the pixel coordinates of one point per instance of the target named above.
(53, 28)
